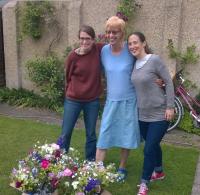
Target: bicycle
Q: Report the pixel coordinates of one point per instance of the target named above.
(182, 96)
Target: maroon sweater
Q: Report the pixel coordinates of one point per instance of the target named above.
(83, 75)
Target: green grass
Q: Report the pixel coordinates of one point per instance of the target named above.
(18, 136)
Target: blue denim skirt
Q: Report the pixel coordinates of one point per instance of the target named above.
(119, 125)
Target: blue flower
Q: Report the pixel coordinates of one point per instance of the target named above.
(92, 183)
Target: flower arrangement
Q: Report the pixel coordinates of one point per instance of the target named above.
(47, 168)
(44, 167)
(92, 177)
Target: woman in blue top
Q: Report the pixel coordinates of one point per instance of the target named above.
(119, 125)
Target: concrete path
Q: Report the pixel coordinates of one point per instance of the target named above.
(175, 137)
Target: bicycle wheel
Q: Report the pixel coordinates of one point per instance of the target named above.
(178, 114)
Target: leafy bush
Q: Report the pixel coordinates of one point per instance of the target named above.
(48, 75)
(186, 124)
(22, 97)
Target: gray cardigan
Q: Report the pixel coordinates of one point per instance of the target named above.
(152, 100)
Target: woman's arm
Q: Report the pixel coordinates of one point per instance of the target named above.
(69, 68)
(163, 72)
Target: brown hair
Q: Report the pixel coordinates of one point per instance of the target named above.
(142, 38)
(87, 29)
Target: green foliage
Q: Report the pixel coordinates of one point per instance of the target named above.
(187, 125)
(35, 15)
(25, 98)
(183, 59)
(67, 51)
(48, 74)
(128, 7)
(189, 84)
(188, 57)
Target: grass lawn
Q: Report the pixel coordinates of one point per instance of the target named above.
(18, 136)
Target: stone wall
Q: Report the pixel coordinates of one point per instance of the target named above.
(160, 20)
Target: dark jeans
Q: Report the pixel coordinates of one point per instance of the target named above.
(152, 133)
(72, 110)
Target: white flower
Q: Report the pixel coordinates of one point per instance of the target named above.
(71, 149)
(75, 184)
(66, 183)
(55, 146)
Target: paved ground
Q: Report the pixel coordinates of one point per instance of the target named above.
(175, 137)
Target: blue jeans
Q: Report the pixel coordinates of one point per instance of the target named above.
(152, 133)
(72, 110)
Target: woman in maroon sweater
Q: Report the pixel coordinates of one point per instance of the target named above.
(82, 89)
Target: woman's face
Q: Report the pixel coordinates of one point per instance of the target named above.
(136, 47)
(114, 35)
(86, 41)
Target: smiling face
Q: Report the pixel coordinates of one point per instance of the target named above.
(114, 35)
(136, 46)
(86, 41)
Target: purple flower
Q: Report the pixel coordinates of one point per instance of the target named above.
(37, 156)
(92, 183)
(51, 175)
(14, 171)
(122, 16)
(18, 184)
(60, 141)
(57, 153)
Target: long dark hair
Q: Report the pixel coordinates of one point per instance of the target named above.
(87, 29)
(142, 38)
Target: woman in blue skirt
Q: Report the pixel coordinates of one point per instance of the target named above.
(119, 125)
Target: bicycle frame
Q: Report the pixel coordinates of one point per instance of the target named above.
(187, 98)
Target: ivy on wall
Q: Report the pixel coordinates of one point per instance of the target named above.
(127, 8)
(35, 15)
(183, 59)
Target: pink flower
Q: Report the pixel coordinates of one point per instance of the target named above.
(45, 164)
(80, 193)
(67, 172)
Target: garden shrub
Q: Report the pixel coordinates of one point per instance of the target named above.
(23, 97)
(187, 125)
(48, 75)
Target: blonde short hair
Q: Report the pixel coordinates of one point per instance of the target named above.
(116, 22)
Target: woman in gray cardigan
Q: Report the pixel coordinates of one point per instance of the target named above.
(155, 106)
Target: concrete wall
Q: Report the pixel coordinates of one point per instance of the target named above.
(160, 20)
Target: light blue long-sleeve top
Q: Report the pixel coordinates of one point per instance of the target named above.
(118, 69)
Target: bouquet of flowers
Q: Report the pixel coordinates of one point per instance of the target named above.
(92, 177)
(44, 167)
(48, 167)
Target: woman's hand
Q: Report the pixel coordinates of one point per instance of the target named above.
(169, 114)
(160, 83)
